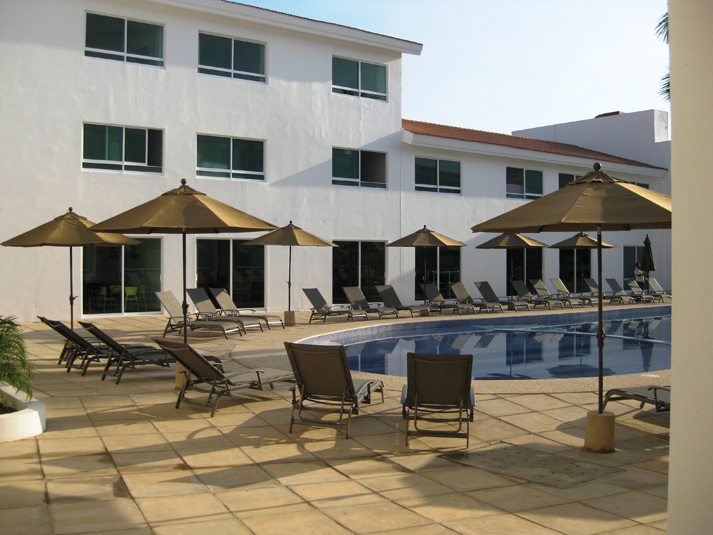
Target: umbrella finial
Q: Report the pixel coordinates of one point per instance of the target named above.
(70, 210)
(597, 166)
(183, 182)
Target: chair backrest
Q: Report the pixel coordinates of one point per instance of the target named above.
(521, 289)
(315, 297)
(321, 370)
(201, 299)
(105, 338)
(616, 288)
(461, 292)
(190, 359)
(388, 296)
(560, 286)
(634, 287)
(171, 304)
(655, 286)
(67, 333)
(432, 293)
(438, 379)
(222, 297)
(486, 291)
(356, 297)
(592, 285)
(540, 287)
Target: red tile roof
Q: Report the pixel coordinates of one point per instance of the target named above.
(517, 142)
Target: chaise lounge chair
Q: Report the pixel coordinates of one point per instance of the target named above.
(228, 308)
(543, 293)
(358, 301)
(464, 297)
(325, 384)
(658, 396)
(438, 385)
(438, 303)
(124, 356)
(489, 296)
(638, 294)
(206, 374)
(657, 290)
(207, 311)
(618, 294)
(76, 346)
(563, 291)
(525, 295)
(391, 299)
(175, 318)
(323, 310)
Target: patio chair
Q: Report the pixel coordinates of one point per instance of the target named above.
(76, 346)
(206, 374)
(438, 390)
(563, 291)
(228, 308)
(489, 296)
(207, 311)
(175, 318)
(438, 303)
(657, 290)
(322, 310)
(391, 299)
(618, 294)
(358, 301)
(543, 293)
(325, 384)
(658, 396)
(124, 356)
(525, 295)
(638, 294)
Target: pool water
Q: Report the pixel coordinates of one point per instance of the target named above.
(634, 345)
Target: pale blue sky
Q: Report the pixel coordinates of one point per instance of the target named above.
(503, 65)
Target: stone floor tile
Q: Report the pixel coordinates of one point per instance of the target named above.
(19, 493)
(427, 529)
(493, 429)
(375, 517)
(445, 507)
(336, 494)
(300, 519)
(258, 498)
(532, 422)
(63, 447)
(537, 443)
(277, 452)
(576, 519)
(109, 429)
(362, 468)
(303, 472)
(131, 443)
(405, 486)
(78, 465)
(95, 516)
(221, 526)
(500, 407)
(498, 525)
(193, 507)
(235, 477)
(19, 468)
(466, 479)
(69, 489)
(147, 461)
(33, 520)
(516, 498)
(638, 506)
(539, 402)
(635, 478)
(153, 484)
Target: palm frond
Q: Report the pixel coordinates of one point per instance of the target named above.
(662, 28)
(15, 369)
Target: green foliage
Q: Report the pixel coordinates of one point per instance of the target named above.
(662, 32)
(15, 370)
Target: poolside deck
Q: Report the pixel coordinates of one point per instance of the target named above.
(121, 459)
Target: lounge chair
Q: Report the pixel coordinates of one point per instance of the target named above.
(618, 294)
(438, 385)
(563, 291)
(658, 396)
(638, 294)
(657, 290)
(127, 357)
(175, 318)
(391, 299)
(207, 311)
(206, 374)
(544, 293)
(76, 346)
(526, 296)
(464, 297)
(322, 310)
(228, 308)
(325, 383)
(489, 296)
(358, 301)
(438, 303)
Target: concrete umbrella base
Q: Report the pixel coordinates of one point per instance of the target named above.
(599, 432)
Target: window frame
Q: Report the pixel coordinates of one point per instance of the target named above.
(232, 72)
(359, 181)
(124, 55)
(438, 187)
(150, 163)
(360, 91)
(230, 172)
(525, 195)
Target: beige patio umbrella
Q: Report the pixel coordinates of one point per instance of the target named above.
(183, 210)
(580, 241)
(68, 230)
(511, 240)
(597, 201)
(291, 236)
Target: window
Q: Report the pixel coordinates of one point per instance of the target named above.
(522, 265)
(566, 178)
(632, 255)
(437, 175)
(575, 266)
(358, 168)
(124, 40)
(356, 263)
(230, 158)
(122, 148)
(231, 265)
(523, 183)
(223, 56)
(358, 78)
(439, 265)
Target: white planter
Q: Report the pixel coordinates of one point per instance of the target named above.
(29, 420)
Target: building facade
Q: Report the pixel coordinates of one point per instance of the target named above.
(108, 104)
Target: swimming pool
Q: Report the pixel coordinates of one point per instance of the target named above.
(527, 347)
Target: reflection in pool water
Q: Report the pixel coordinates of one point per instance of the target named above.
(537, 352)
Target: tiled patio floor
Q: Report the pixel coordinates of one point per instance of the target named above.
(121, 459)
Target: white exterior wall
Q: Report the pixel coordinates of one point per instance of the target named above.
(50, 89)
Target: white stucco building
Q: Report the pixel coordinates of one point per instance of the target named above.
(109, 104)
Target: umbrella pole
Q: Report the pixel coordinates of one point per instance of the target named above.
(71, 291)
(289, 282)
(185, 304)
(600, 314)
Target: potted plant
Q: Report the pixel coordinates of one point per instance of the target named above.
(15, 370)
